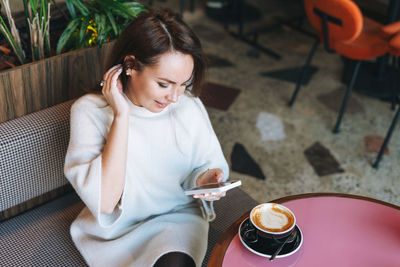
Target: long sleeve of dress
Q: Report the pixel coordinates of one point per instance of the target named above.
(83, 161)
(209, 154)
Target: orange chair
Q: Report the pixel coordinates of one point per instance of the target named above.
(392, 30)
(342, 29)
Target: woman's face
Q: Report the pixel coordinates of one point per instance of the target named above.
(155, 87)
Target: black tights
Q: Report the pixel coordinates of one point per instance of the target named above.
(177, 259)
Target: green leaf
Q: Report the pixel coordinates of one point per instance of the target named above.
(112, 21)
(35, 55)
(81, 7)
(34, 6)
(136, 8)
(10, 39)
(26, 9)
(65, 36)
(100, 20)
(47, 45)
(47, 38)
(82, 32)
(110, 16)
(71, 8)
(118, 8)
(43, 10)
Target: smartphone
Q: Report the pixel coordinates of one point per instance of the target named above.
(213, 188)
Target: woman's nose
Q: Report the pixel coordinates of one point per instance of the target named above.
(173, 95)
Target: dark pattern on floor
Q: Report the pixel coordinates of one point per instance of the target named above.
(322, 160)
(218, 96)
(208, 34)
(291, 74)
(218, 62)
(373, 144)
(242, 162)
(334, 100)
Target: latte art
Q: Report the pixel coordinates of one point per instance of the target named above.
(272, 218)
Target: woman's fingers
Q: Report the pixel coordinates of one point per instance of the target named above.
(216, 176)
(110, 71)
(115, 77)
(211, 176)
(113, 92)
(219, 175)
(109, 75)
(119, 84)
(114, 74)
(211, 196)
(112, 80)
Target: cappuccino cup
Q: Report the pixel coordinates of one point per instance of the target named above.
(273, 220)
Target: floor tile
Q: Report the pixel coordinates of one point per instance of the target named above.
(373, 144)
(242, 162)
(333, 100)
(291, 74)
(270, 127)
(322, 160)
(218, 96)
(218, 62)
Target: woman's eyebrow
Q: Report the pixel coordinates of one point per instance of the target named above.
(169, 81)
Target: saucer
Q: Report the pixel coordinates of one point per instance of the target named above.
(266, 249)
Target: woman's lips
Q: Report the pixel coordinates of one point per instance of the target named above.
(161, 105)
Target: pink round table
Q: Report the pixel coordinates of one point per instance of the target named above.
(338, 230)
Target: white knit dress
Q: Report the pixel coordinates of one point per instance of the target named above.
(166, 150)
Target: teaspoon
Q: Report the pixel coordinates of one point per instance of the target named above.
(290, 238)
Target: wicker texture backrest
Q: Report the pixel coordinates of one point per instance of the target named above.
(32, 152)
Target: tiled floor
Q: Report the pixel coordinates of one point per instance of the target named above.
(276, 136)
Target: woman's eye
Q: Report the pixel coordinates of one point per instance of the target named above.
(163, 85)
(189, 87)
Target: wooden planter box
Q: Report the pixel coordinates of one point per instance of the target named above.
(34, 86)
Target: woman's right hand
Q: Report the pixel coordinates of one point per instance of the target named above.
(113, 93)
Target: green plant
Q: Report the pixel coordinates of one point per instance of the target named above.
(12, 36)
(96, 21)
(37, 13)
(38, 17)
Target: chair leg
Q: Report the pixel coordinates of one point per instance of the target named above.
(394, 91)
(387, 138)
(347, 97)
(303, 71)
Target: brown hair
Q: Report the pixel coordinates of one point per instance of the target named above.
(152, 34)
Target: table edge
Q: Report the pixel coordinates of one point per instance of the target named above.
(226, 238)
(309, 195)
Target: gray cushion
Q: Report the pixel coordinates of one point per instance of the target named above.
(32, 152)
(40, 237)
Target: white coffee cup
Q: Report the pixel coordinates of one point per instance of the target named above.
(273, 220)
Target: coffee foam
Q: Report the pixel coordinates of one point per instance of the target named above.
(272, 218)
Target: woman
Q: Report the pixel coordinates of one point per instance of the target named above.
(134, 148)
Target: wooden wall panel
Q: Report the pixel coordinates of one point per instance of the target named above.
(34, 86)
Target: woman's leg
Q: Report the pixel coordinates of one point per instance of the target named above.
(175, 259)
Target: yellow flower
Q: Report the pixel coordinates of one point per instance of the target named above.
(94, 34)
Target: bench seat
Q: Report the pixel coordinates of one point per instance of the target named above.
(37, 204)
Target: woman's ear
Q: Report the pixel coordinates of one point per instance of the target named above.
(129, 66)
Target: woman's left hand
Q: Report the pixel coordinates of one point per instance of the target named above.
(209, 177)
